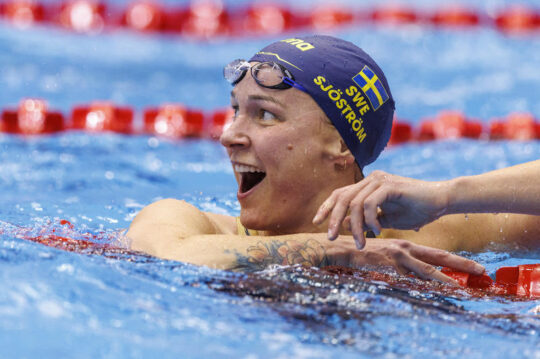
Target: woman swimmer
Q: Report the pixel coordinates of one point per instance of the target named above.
(310, 113)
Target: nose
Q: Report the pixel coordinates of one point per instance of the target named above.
(234, 136)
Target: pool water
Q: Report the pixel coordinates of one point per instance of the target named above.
(56, 304)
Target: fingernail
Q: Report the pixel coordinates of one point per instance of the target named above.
(331, 235)
(478, 268)
(316, 218)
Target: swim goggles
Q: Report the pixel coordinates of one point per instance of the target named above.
(267, 74)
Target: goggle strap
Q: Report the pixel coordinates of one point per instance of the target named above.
(289, 81)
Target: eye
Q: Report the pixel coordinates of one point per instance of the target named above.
(268, 116)
(235, 111)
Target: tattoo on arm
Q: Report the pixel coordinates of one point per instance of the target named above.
(309, 253)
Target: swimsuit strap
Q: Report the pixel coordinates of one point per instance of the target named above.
(243, 231)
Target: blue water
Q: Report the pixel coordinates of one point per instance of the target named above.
(56, 304)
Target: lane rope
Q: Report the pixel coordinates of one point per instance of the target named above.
(177, 121)
(206, 19)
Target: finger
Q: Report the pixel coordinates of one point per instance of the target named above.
(325, 209)
(339, 212)
(357, 214)
(443, 258)
(347, 223)
(357, 227)
(371, 205)
(425, 270)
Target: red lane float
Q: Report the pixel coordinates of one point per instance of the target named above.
(102, 116)
(518, 19)
(144, 16)
(219, 121)
(267, 18)
(205, 19)
(83, 15)
(174, 121)
(522, 281)
(455, 16)
(394, 15)
(22, 13)
(517, 126)
(327, 16)
(401, 132)
(32, 117)
(449, 125)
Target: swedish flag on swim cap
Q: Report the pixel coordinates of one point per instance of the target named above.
(346, 83)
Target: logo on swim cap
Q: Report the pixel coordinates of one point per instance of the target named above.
(372, 87)
(300, 44)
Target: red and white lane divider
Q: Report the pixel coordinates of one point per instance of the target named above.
(176, 121)
(210, 18)
(522, 281)
(33, 117)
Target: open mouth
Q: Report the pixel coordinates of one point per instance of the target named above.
(250, 176)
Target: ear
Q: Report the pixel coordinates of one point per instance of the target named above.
(339, 153)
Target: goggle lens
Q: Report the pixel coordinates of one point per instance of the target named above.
(267, 74)
(235, 71)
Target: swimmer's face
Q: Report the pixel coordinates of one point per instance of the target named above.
(284, 154)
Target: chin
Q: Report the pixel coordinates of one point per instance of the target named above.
(253, 220)
(260, 221)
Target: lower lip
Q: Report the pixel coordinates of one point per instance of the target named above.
(242, 195)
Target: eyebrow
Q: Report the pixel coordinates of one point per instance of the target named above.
(266, 98)
(261, 98)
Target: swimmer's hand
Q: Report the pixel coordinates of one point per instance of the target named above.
(382, 200)
(406, 257)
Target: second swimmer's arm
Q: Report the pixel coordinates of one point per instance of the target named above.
(509, 190)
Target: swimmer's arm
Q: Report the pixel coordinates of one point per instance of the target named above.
(476, 232)
(383, 200)
(509, 190)
(255, 253)
(514, 189)
(175, 230)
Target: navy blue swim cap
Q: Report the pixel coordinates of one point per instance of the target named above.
(346, 84)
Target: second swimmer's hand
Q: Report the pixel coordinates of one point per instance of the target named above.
(382, 200)
(406, 257)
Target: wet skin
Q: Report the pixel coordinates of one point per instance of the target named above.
(285, 134)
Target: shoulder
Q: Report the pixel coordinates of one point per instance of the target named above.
(180, 215)
(168, 211)
(161, 224)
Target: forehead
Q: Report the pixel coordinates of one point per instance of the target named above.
(289, 99)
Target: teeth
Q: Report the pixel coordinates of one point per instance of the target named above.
(244, 168)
